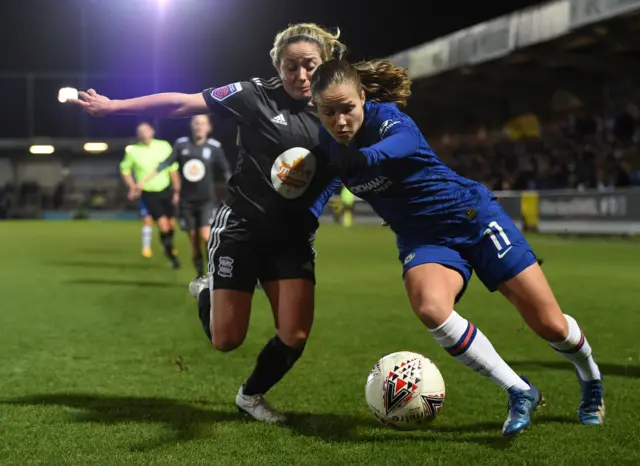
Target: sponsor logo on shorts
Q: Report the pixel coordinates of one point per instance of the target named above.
(409, 258)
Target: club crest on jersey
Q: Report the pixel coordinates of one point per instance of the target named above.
(194, 170)
(293, 171)
(225, 92)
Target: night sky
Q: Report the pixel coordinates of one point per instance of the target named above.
(202, 43)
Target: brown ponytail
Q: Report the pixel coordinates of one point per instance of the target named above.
(381, 80)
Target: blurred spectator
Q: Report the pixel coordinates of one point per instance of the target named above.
(575, 150)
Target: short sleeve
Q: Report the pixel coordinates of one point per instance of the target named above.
(127, 163)
(238, 100)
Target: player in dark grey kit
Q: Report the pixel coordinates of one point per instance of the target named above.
(264, 230)
(203, 167)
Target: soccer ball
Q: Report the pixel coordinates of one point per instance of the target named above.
(405, 390)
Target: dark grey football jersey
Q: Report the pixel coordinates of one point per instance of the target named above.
(281, 169)
(200, 167)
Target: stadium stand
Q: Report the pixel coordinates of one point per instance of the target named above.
(542, 99)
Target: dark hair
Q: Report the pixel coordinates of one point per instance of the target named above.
(381, 80)
(145, 122)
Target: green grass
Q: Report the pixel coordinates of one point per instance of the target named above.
(103, 361)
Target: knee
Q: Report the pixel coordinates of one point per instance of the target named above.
(551, 325)
(432, 311)
(294, 338)
(226, 342)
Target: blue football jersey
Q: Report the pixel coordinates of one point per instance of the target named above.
(406, 184)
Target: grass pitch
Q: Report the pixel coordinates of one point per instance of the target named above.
(103, 361)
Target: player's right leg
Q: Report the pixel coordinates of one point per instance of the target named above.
(147, 229)
(435, 277)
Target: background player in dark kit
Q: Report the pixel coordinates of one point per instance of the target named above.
(264, 231)
(204, 171)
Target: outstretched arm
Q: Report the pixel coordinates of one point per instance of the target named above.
(170, 104)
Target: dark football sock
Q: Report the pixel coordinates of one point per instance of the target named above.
(167, 243)
(274, 361)
(204, 311)
(199, 266)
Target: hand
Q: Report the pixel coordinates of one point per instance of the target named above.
(93, 103)
(133, 194)
(139, 187)
(176, 198)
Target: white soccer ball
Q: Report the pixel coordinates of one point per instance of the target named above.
(405, 390)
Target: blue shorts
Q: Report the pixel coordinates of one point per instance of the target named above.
(142, 209)
(501, 254)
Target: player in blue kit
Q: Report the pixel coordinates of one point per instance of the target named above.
(446, 226)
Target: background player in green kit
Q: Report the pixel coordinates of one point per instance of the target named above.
(203, 168)
(141, 159)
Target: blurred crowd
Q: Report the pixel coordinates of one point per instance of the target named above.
(578, 150)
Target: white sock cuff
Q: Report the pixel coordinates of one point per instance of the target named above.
(575, 338)
(450, 321)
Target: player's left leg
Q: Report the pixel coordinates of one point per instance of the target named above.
(162, 210)
(288, 280)
(190, 223)
(199, 220)
(531, 294)
(199, 238)
(196, 251)
(171, 216)
(166, 238)
(505, 261)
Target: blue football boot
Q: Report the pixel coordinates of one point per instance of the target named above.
(591, 410)
(522, 404)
